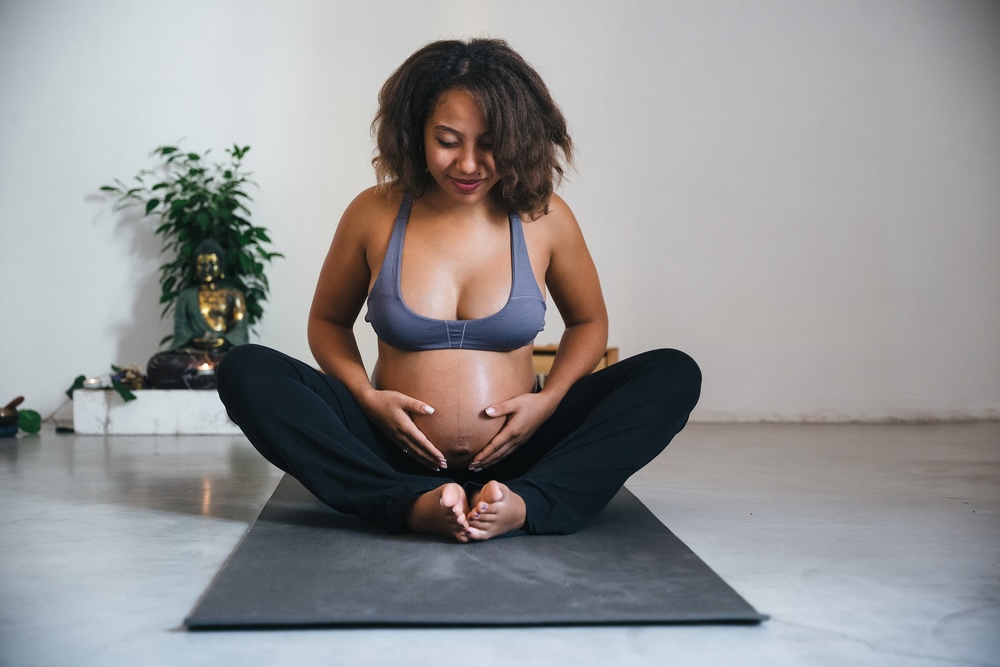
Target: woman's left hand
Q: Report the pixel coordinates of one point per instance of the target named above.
(524, 414)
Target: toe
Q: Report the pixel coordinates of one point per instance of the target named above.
(491, 493)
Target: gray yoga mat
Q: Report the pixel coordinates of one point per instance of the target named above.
(302, 564)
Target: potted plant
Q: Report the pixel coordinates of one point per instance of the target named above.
(195, 201)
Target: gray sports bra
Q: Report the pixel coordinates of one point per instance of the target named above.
(513, 326)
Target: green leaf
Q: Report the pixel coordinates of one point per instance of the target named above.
(151, 204)
(29, 421)
(122, 390)
(77, 384)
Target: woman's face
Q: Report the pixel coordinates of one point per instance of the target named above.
(458, 146)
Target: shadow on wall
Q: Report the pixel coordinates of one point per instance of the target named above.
(138, 330)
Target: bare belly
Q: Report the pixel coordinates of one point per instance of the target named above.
(459, 385)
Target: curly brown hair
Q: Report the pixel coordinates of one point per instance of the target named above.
(529, 130)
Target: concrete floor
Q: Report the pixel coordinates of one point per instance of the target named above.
(868, 545)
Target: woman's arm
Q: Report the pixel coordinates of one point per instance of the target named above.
(572, 281)
(340, 294)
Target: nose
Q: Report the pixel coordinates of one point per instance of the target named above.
(468, 160)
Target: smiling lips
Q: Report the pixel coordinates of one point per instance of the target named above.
(466, 186)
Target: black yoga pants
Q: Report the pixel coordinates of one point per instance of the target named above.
(609, 425)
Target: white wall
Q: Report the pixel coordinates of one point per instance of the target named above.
(802, 195)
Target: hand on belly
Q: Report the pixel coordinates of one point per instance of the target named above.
(459, 385)
(460, 434)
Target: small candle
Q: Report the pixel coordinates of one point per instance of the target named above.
(206, 369)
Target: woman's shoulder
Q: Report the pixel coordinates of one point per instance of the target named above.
(555, 232)
(557, 220)
(371, 212)
(557, 210)
(376, 201)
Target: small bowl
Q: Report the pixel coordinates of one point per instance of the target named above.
(8, 416)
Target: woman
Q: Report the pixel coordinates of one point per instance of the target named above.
(454, 251)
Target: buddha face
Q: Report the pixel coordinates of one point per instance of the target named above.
(207, 267)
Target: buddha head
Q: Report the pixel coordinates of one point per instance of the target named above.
(209, 260)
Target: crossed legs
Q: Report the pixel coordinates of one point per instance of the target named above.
(608, 426)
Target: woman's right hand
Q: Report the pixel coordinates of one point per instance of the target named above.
(391, 410)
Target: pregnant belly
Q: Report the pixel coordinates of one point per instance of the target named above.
(459, 385)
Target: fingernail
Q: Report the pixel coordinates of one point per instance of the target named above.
(428, 410)
(444, 464)
(491, 411)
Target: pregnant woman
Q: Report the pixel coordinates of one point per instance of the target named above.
(453, 253)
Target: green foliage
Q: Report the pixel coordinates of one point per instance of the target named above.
(119, 379)
(123, 391)
(77, 384)
(29, 421)
(195, 201)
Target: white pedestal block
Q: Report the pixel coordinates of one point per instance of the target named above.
(154, 412)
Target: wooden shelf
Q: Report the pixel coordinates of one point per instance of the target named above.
(543, 355)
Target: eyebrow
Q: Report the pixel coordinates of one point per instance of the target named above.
(445, 128)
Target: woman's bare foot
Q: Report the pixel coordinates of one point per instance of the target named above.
(442, 511)
(495, 511)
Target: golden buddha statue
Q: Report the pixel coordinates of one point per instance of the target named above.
(209, 320)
